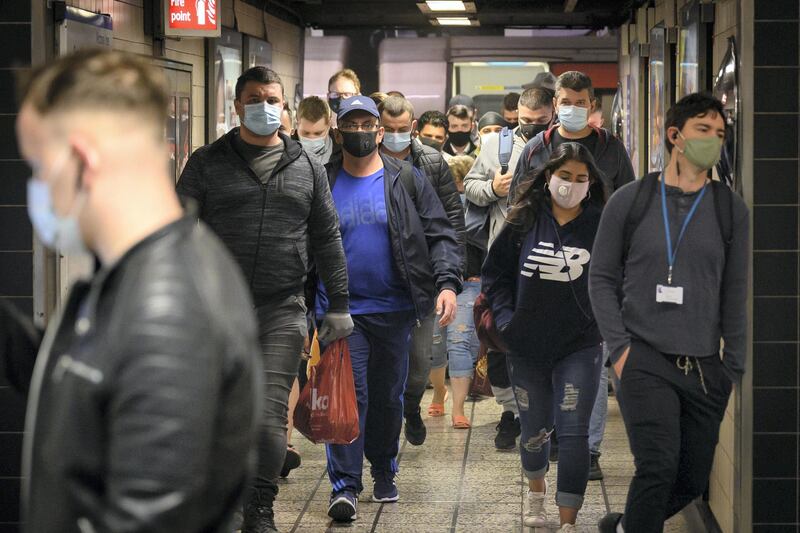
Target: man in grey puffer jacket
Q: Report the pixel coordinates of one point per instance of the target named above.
(268, 200)
(428, 347)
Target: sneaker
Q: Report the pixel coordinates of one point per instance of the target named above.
(258, 514)
(535, 514)
(608, 524)
(595, 472)
(507, 432)
(291, 461)
(415, 429)
(567, 528)
(384, 489)
(343, 506)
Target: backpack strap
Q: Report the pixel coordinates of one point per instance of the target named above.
(645, 190)
(723, 208)
(505, 146)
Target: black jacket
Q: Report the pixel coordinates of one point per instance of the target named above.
(424, 243)
(609, 154)
(433, 165)
(269, 227)
(142, 408)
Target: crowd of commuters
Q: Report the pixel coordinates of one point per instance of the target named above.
(171, 375)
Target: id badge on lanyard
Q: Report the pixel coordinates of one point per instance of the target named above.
(670, 294)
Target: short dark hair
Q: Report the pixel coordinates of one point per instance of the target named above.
(437, 119)
(690, 106)
(459, 111)
(258, 75)
(536, 97)
(577, 81)
(511, 101)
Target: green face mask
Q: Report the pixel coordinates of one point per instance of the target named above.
(703, 153)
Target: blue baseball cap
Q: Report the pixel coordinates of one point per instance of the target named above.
(357, 103)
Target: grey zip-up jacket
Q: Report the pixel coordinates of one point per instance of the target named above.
(478, 182)
(271, 227)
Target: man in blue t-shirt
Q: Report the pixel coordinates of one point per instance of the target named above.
(403, 260)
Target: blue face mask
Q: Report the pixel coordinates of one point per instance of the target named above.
(262, 118)
(314, 146)
(397, 142)
(55, 232)
(573, 118)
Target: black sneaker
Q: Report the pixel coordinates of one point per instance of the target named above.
(343, 506)
(595, 472)
(507, 432)
(258, 514)
(291, 461)
(415, 429)
(608, 524)
(384, 489)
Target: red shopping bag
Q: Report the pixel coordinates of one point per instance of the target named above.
(327, 411)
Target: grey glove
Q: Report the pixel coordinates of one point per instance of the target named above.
(335, 326)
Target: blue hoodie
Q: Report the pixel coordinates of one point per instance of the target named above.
(539, 303)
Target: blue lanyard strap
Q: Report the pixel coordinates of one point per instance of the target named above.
(671, 255)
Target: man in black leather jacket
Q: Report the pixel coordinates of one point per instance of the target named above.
(141, 405)
(397, 119)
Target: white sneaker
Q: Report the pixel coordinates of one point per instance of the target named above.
(535, 515)
(568, 528)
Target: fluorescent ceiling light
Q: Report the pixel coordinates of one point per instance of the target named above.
(453, 21)
(446, 5)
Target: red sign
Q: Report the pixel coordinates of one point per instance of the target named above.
(191, 18)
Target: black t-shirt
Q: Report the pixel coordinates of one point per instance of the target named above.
(590, 141)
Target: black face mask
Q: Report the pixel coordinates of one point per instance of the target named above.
(512, 125)
(459, 138)
(359, 143)
(334, 104)
(529, 131)
(433, 143)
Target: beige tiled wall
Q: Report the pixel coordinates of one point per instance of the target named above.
(127, 16)
(723, 476)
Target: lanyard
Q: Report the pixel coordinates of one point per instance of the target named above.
(671, 255)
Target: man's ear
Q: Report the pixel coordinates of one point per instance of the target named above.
(237, 105)
(86, 158)
(414, 127)
(379, 138)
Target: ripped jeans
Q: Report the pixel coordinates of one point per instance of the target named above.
(563, 394)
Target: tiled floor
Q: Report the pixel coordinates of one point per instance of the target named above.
(455, 482)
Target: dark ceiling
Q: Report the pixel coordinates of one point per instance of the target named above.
(494, 15)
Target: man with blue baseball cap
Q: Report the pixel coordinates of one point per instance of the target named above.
(403, 260)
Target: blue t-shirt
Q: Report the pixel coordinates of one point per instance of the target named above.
(374, 281)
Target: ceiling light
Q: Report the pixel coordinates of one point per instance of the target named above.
(453, 21)
(446, 5)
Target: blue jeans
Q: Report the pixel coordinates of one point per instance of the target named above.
(462, 341)
(379, 355)
(597, 424)
(563, 394)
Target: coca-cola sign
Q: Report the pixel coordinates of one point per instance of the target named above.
(192, 18)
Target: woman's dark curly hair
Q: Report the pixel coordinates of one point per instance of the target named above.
(532, 192)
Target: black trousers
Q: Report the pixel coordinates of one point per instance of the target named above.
(497, 370)
(672, 417)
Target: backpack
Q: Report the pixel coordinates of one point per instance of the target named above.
(646, 190)
(476, 217)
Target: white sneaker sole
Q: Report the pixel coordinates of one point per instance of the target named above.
(391, 499)
(534, 521)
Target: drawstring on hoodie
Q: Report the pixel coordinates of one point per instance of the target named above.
(687, 367)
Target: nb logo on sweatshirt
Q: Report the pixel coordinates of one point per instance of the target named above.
(550, 264)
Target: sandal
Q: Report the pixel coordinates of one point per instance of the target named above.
(437, 409)
(461, 422)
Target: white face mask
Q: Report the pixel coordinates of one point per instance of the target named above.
(566, 193)
(55, 232)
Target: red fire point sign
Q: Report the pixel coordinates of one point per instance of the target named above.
(196, 16)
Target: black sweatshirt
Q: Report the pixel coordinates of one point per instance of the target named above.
(540, 303)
